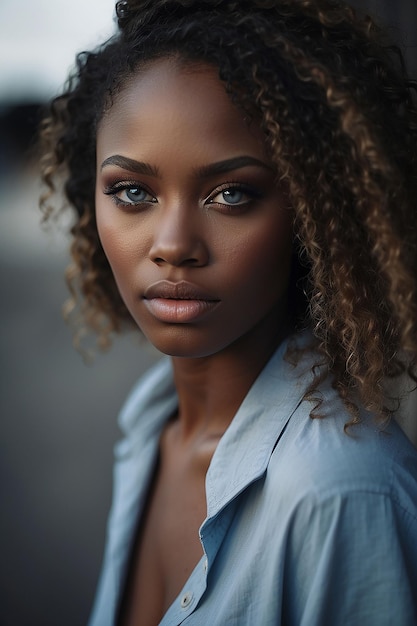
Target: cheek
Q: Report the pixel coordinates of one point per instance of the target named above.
(263, 257)
(117, 244)
(123, 246)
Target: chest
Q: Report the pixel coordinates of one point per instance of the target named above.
(167, 545)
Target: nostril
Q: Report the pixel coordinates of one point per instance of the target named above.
(187, 262)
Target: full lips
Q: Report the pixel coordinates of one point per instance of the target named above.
(179, 311)
(179, 302)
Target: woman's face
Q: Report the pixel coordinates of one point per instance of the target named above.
(195, 229)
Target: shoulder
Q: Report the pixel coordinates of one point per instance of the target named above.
(347, 505)
(322, 462)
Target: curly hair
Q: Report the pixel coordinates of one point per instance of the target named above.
(340, 122)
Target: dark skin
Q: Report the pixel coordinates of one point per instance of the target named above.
(220, 237)
(168, 546)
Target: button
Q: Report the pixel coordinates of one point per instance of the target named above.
(205, 565)
(186, 599)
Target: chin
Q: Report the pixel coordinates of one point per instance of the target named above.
(182, 342)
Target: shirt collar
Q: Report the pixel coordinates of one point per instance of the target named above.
(243, 452)
(241, 456)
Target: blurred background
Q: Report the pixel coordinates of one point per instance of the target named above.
(58, 415)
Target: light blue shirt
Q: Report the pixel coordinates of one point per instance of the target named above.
(306, 526)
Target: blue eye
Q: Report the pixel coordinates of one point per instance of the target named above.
(126, 194)
(135, 195)
(232, 196)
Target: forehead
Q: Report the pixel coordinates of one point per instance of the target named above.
(183, 102)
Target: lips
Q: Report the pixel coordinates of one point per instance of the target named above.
(180, 302)
(182, 290)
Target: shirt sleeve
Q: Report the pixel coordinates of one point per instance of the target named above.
(351, 560)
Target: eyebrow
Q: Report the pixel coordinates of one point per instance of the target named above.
(139, 167)
(205, 171)
(229, 165)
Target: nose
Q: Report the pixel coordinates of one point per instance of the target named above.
(179, 238)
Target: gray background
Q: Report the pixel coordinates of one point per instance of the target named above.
(59, 415)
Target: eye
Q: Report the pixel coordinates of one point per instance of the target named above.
(127, 194)
(135, 195)
(233, 195)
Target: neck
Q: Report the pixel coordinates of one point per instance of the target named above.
(211, 389)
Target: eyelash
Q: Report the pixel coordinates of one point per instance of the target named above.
(113, 190)
(251, 193)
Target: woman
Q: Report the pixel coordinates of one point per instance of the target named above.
(243, 175)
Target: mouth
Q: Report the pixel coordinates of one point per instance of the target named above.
(178, 303)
